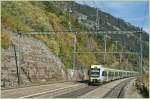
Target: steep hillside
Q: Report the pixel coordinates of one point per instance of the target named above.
(87, 15)
(52, 16)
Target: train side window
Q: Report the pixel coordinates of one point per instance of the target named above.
(109, 74)
(113, 74)
(89, 72)
(104, 73)
(116, 73)
(120, 73)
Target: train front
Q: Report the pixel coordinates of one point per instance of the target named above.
(94, 74)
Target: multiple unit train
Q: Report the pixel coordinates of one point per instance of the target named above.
(98, 74)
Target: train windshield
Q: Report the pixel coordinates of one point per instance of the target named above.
(95, 72)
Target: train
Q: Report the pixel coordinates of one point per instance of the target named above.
(99, 74)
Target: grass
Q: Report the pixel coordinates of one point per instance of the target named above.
(146, 81)
(5, 40)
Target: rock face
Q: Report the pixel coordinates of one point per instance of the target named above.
(32, 62)
(77, 74)
(35, 62)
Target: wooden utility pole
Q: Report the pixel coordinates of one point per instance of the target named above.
(17, 70)
(74, 51)
(105, 46)
(116, 45)
(19, 66)
(141, 52)
(121, 56)
(97, 20)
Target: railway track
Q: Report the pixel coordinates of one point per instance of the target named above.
(35, 91)
(113, 89)
(77, 93)
(69, 90)
(32, 85)
(55, 92)
(117, 91)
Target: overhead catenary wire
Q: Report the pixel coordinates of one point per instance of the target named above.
(88, 31)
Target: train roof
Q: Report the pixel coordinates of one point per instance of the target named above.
(96, 66)
(100, 66)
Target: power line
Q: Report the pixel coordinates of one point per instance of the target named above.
(80, 32)
(84, 32)
(83, 52)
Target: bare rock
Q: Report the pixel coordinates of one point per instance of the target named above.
(36, 63)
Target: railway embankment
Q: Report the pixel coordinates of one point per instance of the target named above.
(142, 84)
(137, 88)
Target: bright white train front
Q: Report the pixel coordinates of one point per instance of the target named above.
(98, 74)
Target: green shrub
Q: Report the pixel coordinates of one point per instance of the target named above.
(5, 40)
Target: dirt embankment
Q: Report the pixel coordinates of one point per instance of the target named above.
(142, 83)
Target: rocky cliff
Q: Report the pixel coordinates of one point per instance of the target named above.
(35, 63)
(31, 62)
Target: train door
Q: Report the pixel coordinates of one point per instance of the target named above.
(101, 75)
(104, 75)
(107, 76)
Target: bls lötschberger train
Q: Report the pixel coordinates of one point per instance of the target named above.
(98, 74)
